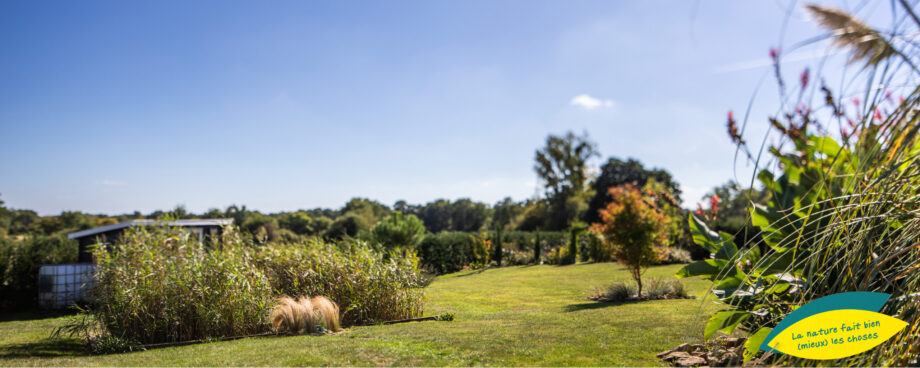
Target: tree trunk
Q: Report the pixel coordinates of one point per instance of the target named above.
(638, 277)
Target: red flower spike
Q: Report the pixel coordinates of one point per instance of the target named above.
(877, 115)
(804, 78)
(856, 101)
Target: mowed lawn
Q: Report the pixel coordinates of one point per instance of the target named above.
(513, 316)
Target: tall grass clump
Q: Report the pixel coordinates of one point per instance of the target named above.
(844, 209)
(368, 285)
(304, 315)
(159, 285)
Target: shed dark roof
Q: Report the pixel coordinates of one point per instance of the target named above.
(121, 225)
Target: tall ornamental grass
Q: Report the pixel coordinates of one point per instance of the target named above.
(368, 285)
(160, 285)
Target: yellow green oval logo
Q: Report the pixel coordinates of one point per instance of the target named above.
(836, 334)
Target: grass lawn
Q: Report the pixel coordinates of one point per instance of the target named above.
(513, 316)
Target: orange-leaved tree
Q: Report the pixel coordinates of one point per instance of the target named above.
(632, 224)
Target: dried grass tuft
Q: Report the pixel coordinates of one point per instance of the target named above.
(326, 313)
(304, 314)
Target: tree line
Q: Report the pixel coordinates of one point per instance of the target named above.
(573, 196)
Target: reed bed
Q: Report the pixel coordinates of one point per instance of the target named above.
(159, 285)
(370, 286)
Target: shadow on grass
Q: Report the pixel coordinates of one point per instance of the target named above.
(43, 348)
(33, 315)
(479, 271)
(597, 305)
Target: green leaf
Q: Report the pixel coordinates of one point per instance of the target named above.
(775, 263)
(728, 248)
(825, 145)
(765, 218)
(708, 268)
(724, 321)
(711, 240)
(729, 283)
(752, 346)
(778, 288)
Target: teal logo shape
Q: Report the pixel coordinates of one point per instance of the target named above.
(863, 300)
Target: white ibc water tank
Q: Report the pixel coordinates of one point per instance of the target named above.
(62, 285)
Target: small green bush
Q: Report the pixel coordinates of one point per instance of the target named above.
(447, 252)
(656, 288)
(398, 230)
(619, 291)
(659, 288)
(672, 255)
(20, 261)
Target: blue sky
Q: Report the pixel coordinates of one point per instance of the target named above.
(119, 106)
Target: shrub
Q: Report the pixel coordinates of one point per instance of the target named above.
(656, 288)
(598, 249)
(632, 226)
(482, 248)
(20, 261)
(512, 257)
(659, 288)
(557, 256)
(446, 252)
(398, 230)
(617, 292)
(671, 255)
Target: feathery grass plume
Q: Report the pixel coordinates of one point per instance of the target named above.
(326, 313)
(864, 42)
(293, 316)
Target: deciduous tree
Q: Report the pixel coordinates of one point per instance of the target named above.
(632, 224)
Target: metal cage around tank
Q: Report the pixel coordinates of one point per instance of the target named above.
(62, 285)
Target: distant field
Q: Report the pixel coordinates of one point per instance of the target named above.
(514, 316)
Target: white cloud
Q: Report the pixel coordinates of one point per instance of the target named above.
(590, 103)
